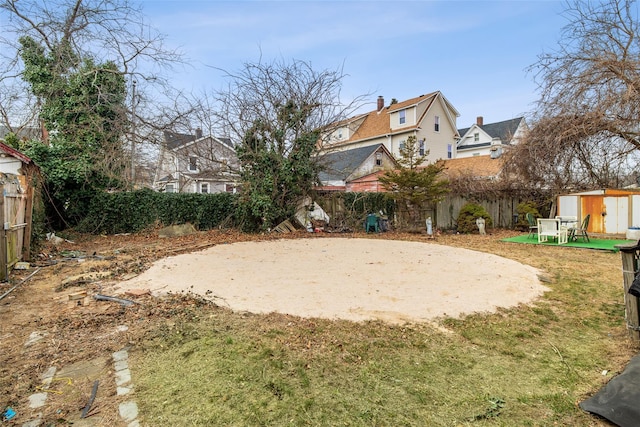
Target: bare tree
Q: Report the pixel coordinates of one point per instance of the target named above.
(98, 30)
(588, 115)
(278, 113)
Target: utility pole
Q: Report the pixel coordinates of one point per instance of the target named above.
(133, 132)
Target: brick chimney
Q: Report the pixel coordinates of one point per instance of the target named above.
(198, 133)
(479, 121)
(380, 102)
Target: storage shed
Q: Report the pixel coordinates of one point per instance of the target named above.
(612, 211)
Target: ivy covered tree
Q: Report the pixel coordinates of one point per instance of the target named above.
(412, 185)
(72, 68)
(273, 182)
(82, 108)
(279, 113)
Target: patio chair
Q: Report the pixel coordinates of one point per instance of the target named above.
(533, 225)
(550, 228)
(371, 223)
(581, 231)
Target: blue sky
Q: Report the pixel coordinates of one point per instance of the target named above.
(474, 52)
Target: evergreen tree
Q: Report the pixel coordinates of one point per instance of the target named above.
(414, 186)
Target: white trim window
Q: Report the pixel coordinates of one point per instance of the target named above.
(402, 116)
(378, 158)
(436, 123)
(204, 187)
(476, 137)
(193, 164)
(421, 147)
(449, 151)
(169, 188)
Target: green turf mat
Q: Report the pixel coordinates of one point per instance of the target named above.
(601, 244)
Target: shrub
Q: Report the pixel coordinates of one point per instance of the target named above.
(523, 209)
(468, 215)
(133, 211)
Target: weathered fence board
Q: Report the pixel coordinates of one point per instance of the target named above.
(16, 210)
(444, 216)
(630, 263)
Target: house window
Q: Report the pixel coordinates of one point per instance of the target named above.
(169, 188)
(403, 116)
(340, 134)
(476, 137)
(378, 159)
(421, 151)
(193, 163)
(204, 187)
(401, 147)
(449, 151)
(436, 124)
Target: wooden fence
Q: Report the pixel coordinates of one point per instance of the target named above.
(502, 210)
(16, 211)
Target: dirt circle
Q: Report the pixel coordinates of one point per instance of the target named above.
(338, 278)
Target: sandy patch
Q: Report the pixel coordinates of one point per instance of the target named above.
(354, 279)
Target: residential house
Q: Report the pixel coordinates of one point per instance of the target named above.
(490, 139)
(196, 164)
(355, 169)
(431, 118)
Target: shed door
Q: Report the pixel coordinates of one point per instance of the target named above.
(568, 206)
(617, 218)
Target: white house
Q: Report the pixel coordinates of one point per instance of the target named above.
(431, 118)
(490, 139)
(196, 164)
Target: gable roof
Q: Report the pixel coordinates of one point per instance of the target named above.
(339, 165)
(174, 140)
(503, 130)
(475, 166)
(376, 123)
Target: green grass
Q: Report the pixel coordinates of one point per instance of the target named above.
(526, 366)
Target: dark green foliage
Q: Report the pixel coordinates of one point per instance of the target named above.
(129, 212)
(277, 168)
(82, 107)
(523, 209)
(468, 216)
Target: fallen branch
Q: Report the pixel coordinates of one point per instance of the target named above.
(94, 390)
(122, 301)
(23, 280)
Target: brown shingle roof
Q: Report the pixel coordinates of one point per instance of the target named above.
(411, 102)
(377, 122)
(476, 166)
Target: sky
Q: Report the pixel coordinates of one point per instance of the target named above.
(475, 52)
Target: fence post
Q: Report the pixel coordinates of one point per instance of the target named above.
(4, 261)
(630, 255)
(28, 219)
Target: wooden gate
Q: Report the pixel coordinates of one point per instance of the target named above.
(16, 211)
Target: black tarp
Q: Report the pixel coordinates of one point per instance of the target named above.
(619, 400)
